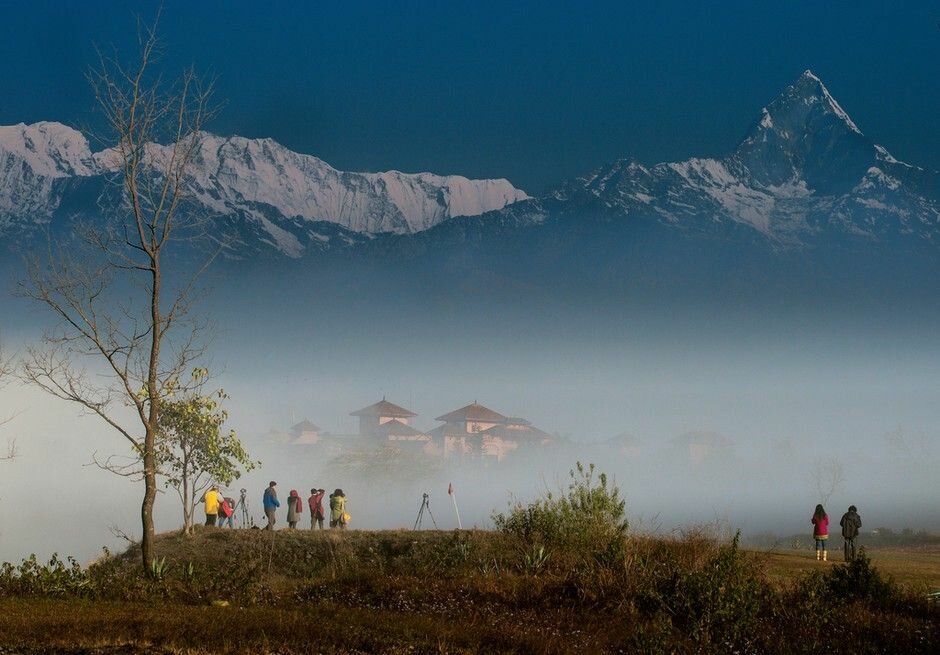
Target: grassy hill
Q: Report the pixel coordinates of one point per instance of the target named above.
(468, 592)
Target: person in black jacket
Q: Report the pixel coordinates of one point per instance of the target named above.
(851, 523)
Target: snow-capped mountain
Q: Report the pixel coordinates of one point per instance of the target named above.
(256, 186)
(804, 168)
(36, 163)
(804, 174)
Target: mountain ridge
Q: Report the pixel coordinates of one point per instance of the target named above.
(250, 178)
(803, 173)
(804, 167)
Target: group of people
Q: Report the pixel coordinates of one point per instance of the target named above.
(850, 523)
(217, 505)
(221, 509)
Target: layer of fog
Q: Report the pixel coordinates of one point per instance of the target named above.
(787, 393)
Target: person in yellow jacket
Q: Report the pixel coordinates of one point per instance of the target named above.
(338, 516)
(213, 499)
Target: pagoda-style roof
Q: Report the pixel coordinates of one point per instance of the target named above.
(517, 432)
(384, 408)
(472, 412)
(304, 426)
(396, 428)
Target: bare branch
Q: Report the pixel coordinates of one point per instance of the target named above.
(128, 467)
(6, 372)
(10, 452)
(120, 307)
(827, 476)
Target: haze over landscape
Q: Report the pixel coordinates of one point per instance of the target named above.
(708, 289)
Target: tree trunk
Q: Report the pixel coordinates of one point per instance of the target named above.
(187, 503)
(153, 419)
(150, 494)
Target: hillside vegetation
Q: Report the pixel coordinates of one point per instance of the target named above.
(560, 575)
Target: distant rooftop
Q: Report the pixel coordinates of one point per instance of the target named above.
(395, 428)
(472, 412)
(518, 433)
(384, 408)
(305, 426)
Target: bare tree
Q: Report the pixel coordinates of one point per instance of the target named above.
(125, 329)
(6, 370)
(827, 476)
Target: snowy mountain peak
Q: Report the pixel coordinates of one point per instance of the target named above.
(803, 164)
(36, 162)
(805, 135)
(810, 82)
(47, 148)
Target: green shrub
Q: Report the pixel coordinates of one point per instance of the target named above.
(860, 580)
(55, 578)
(719, 603)
(587, 522)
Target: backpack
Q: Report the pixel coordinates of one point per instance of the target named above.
(850, 529)
(226, 507)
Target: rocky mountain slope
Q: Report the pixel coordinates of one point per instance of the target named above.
(257, 187)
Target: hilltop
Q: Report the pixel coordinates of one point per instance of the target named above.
(467, 592)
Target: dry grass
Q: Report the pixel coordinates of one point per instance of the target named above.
(440, 592)
(914, 568)
(320, 627)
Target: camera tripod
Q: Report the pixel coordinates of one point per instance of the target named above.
(425, 505)
(245, 518)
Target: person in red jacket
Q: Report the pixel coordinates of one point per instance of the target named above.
(295, 507)
(820, 523)
(316, 508)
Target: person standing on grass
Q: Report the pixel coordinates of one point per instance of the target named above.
(316, 508)
(212, 498)
(295, 507)
(851, 522)
(820, 523)
(227, 511)
(338, 509)
(271, 504)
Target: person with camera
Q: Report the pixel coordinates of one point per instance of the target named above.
(315, 502)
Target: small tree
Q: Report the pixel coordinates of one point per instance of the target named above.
(827, 476)
(6, 370)
(193, 449)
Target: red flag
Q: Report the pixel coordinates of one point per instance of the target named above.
(450, 489)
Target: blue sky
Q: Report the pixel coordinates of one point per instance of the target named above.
(534, 91)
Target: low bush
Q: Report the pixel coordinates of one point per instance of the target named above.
(720, 602)
(54, 578)
(586, 524)
(860, 580)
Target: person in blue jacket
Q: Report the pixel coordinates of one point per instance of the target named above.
(271, 503)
